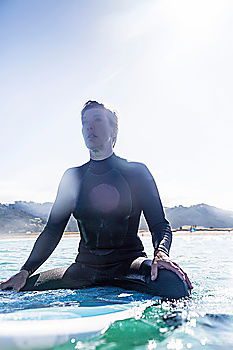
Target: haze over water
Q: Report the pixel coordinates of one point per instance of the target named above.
(165, 66)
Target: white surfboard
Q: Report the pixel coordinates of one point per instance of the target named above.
(47, 327)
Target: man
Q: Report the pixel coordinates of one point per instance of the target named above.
(106, 195)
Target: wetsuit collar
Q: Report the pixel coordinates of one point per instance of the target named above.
(103, 165)
(102, 160)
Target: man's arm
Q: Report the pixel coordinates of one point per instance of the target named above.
(58, 219)
(159, 228)
(154, 214)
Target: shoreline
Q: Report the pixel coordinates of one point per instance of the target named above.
(141, 233)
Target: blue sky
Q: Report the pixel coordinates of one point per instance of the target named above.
(165, 66)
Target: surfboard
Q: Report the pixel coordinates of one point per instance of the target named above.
(43, 328)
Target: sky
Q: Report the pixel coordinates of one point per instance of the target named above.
(165, 66)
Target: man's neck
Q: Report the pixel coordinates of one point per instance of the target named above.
(100, 155)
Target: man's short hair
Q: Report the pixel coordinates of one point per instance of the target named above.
(112, 115)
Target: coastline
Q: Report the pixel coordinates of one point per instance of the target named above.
(33, 236)
(141, 233)
(201, 232)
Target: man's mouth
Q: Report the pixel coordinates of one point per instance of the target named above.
(91, 136)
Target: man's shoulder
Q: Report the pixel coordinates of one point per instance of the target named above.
(132, 166)
(76, 169)
(75, 173)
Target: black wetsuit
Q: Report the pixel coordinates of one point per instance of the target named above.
(107, 198)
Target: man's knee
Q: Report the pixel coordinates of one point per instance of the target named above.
(168, 285)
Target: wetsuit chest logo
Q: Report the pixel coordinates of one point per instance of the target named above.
(104, 198)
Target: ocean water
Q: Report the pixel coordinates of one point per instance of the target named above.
(205, 321)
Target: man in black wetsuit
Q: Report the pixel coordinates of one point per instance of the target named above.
(106, 195)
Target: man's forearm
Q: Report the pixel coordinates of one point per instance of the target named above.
(162, 238)
(42, 249)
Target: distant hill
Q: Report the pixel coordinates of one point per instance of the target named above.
(24, 216)
(36, 209)
(17, 220)
(200, 215)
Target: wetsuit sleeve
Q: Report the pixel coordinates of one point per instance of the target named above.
(154, 214)
(57, 221)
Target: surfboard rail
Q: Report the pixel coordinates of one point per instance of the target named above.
(43, 334)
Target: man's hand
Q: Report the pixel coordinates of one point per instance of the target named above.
(162, 261)
(15, 282)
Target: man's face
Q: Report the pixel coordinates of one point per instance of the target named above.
(96, 128)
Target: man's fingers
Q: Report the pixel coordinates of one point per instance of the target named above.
(179, 267)
(178, 270)
(173, 266)
(5, 285)
(2, 284)
(186, 276)
(170, 266)
(189, 282)
(154, 271)
(15, 282)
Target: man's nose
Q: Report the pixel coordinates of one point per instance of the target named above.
(89, 127)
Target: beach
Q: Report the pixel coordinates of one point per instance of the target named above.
(141, 233)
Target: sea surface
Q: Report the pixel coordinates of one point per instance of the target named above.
(205, 321)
